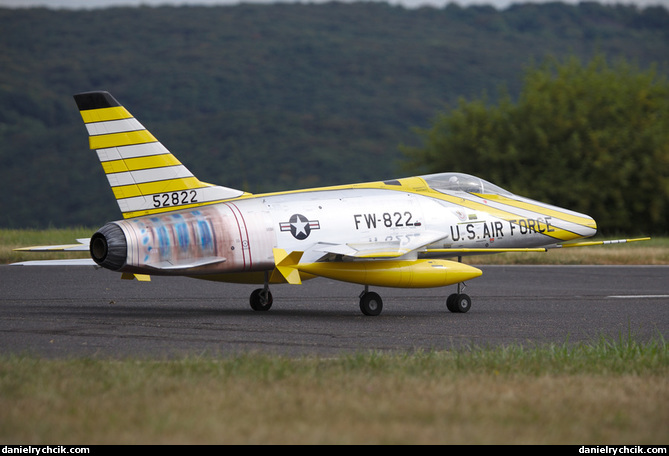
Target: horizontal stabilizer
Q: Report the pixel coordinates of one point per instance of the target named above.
(82, 246)
(67, 262)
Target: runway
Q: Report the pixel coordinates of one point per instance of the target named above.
(84, 312)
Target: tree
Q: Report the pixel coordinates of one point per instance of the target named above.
(593, 137)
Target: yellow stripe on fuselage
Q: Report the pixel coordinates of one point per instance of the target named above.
(105, 114)
(557, 233)
(121, 139)
(584, 221)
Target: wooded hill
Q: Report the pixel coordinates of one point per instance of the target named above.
(269, 97)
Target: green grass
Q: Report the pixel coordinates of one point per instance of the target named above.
(607, 392)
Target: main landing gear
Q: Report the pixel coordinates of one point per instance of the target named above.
(261, 298)
(371, 303)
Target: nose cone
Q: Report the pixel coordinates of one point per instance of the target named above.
(590, 228)
(559, 223)
(578, 224)
(572, 226)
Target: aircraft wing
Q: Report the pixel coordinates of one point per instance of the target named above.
(379, 249)
(399, 247)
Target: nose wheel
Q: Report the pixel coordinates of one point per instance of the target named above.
(459, 302)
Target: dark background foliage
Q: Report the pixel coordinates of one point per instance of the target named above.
(270, 97)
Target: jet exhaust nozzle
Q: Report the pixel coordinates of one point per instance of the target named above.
(109, 247)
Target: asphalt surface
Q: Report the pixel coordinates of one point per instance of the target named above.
(84, 312)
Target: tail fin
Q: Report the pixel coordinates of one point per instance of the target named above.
(144, 176)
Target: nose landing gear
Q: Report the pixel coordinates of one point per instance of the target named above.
(459, 302)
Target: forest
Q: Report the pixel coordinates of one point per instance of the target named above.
(272, 97)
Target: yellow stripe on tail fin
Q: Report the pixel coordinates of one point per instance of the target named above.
(145, 177)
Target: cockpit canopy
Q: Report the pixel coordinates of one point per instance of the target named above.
(459, 182)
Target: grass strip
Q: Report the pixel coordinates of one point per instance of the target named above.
(606, 392)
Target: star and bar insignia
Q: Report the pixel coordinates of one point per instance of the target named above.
(299, 226)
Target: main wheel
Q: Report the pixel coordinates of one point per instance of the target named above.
(261, 299)
(450, 302)
(371, 304)
(459, 303)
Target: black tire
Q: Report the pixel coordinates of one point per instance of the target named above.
(459, 303)
(261, 300)
(450, 302)
(463, 303)
(371, 304)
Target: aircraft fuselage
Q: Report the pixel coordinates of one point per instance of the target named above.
(239, 236)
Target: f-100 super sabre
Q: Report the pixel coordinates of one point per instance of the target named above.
(410, 233)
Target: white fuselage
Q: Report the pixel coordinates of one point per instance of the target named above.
(244, 232)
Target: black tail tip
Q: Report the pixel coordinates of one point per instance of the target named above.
(95, 100)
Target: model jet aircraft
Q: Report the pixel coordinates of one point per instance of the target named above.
(409, 233)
